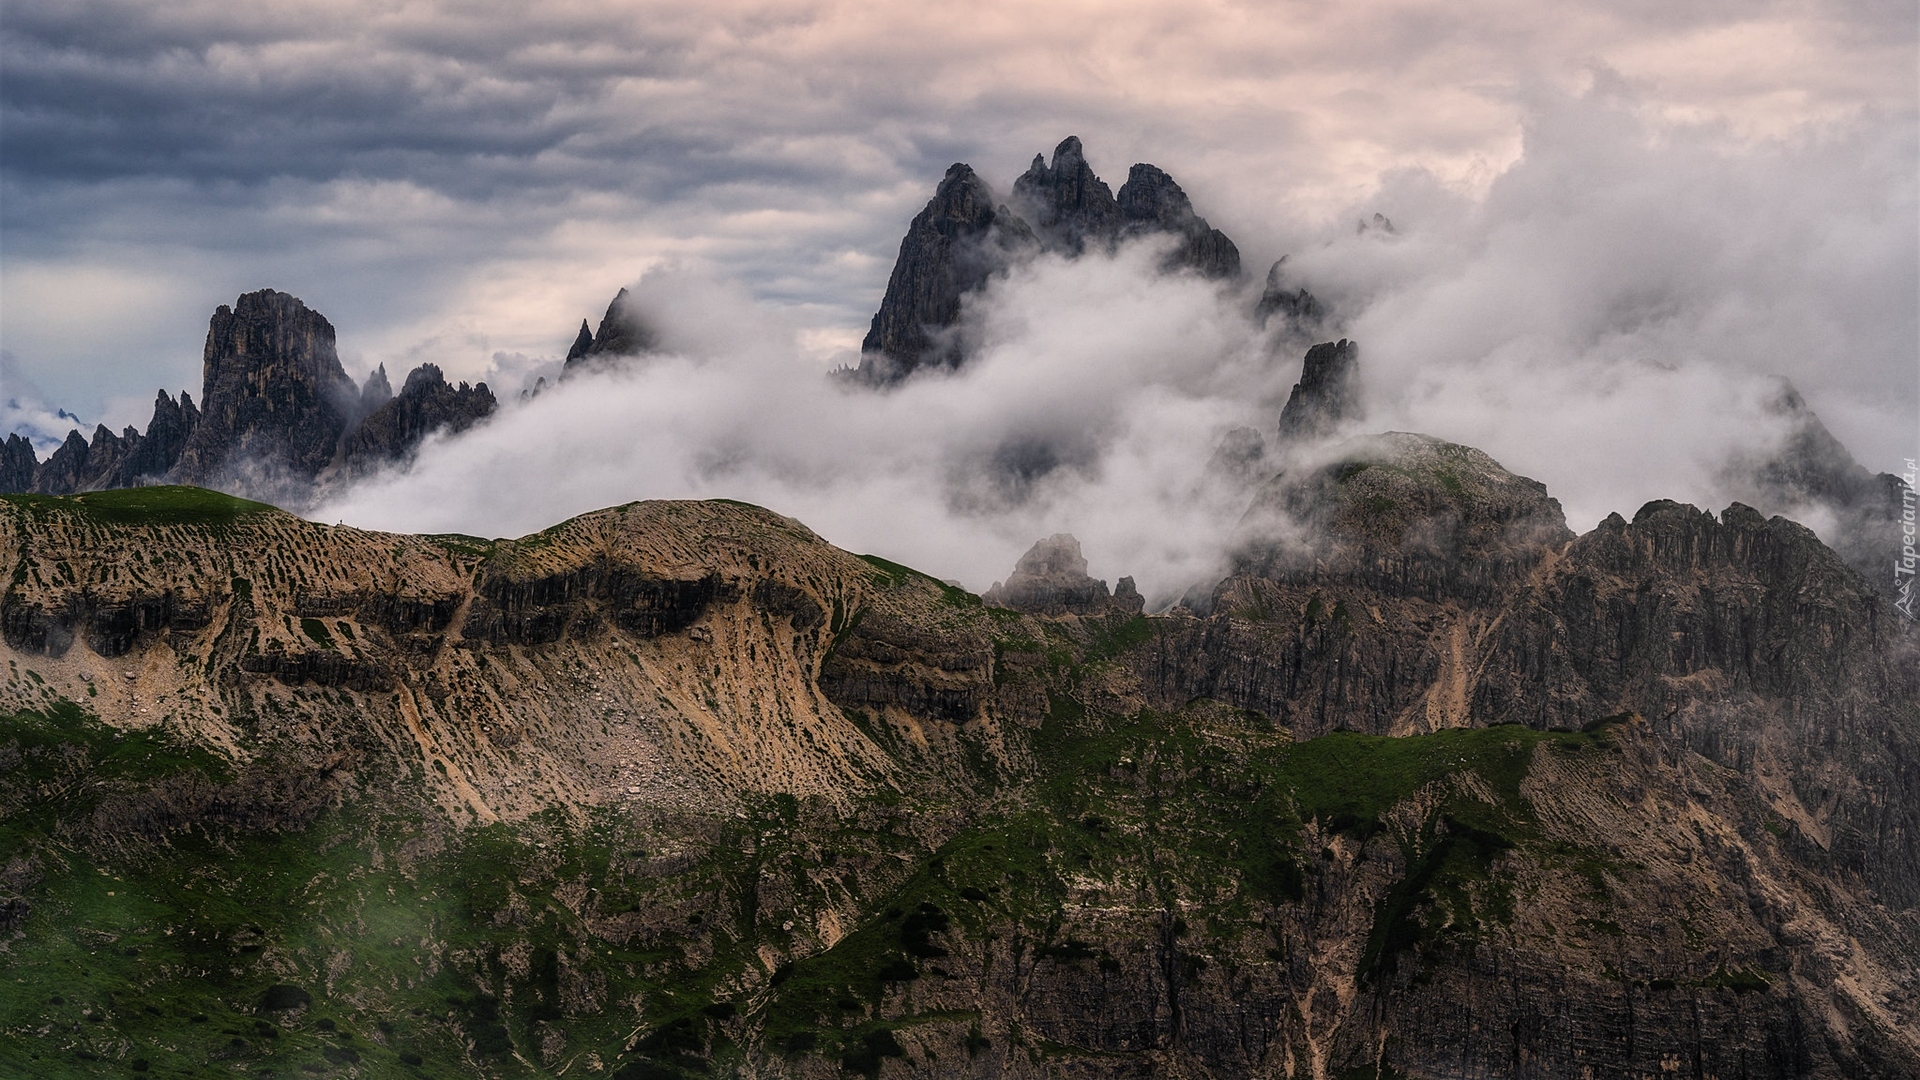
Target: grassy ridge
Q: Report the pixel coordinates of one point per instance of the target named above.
(165, 504)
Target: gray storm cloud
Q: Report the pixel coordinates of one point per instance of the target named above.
(1612, 318)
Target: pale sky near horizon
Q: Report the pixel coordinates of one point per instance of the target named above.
(465, 182)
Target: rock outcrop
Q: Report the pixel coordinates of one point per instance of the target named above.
(18, 463)
(953, 246)
(1327, 395)
(108, 460)
(424, 405)
(1299, 309)
(1812, 476)
(623, 332)
(67, 469)
(964, 237)
(282, 421)
(582, 343)
(1070, 208)
(1151, 202)
(275, 401)
(375, 392)
(1051, 579)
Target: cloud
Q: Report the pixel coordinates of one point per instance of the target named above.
(493, 170)
(1116, 380)
(1610, 316)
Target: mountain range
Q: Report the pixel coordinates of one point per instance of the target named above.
(1426, 785)
(278, 417)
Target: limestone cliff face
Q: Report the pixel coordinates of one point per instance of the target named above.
(275, 401)
(964, 237)
(1051, 579)
(282, 420)
(107, 460)
(1283, 298)
(623, 332)
(1151, 202)
(952, 247)
(1069, 206)
(1435, 788)
(1327, 395)
(18, 463)
(425, 404)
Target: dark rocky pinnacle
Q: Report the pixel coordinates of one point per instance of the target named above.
(1327, 394)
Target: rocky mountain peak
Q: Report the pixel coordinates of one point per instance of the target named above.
(376, 391)
(1068, 205)
(424, 405)
(961, 238)
(18, 463)
(1051, 579)
(1150, 201)
(581, 343)
(623, 332)
(1291, 301)
(1327, 394)
(275, 399)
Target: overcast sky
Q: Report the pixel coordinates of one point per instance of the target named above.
(463, 183)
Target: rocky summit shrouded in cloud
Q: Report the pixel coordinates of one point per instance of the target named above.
(279, 419)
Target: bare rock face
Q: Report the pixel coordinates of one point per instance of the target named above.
(1150, 201)
(964, 237)
(1240, 459)
(623, 332)
(1327, 393)
(961, 239)
(1293, 303)
(426, 404)
(117, 461)
(275, 401)
(1812, 475)
(377, 391)
(1068, 205)
(18, 463)
(67, 469)
(1051, 579)
(282, 418)
(166, 438)
(582, 342)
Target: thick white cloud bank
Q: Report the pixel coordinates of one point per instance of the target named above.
(1611, 317)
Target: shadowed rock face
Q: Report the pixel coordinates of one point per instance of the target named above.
(582, 343)
(1811, 475)
(376, 392)
(1051, 579)
(285, 419)
(424, 405)
(1327, 394)
(1150, 202)
(623, 332)
(1068, 205)
(108, 461)
(18, 463)
(275, 401)
(962, 238)
(1293, 303)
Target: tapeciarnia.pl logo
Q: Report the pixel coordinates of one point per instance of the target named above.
(1903, 567)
